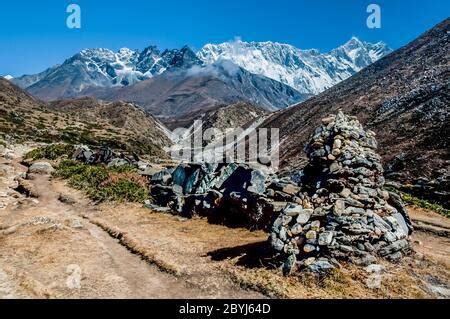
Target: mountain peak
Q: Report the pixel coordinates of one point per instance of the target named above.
(183, 58)
(307, 71)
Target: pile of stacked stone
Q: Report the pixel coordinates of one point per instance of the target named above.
(344, 213)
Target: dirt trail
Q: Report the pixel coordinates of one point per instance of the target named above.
(47, 250)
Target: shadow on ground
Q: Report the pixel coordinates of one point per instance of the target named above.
(254, 255)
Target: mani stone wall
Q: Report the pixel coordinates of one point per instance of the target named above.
(345, 214)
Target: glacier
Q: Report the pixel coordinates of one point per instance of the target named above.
(307, 71)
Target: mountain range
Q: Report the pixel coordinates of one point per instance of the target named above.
(308, 71)
(271, 75)
(182, 93)
(403, 97)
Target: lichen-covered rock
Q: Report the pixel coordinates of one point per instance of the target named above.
(232, 194)
(41, 168)
(345, 213)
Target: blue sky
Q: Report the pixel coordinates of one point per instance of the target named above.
(34, 35)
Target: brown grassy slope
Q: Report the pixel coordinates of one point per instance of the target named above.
(28, 119)
(123, 115)
(402, 97)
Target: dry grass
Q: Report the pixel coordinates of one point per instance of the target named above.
(202, 252)
(146, 254)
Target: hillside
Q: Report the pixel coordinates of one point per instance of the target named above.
(402, 97)
(125, 116)
(120, 125)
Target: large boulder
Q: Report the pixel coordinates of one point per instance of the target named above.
(232, 194)
(43, 168)
(104, 155)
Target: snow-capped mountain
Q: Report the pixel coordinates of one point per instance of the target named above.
(8, 77)
(308, 71)
(183, 93)
(105, 68)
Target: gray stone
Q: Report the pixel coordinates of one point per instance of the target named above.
(401, 221)
(374, 268)
(304, 216)
(394, 247)
(277, 244)
(321, 266)
(381, 223)
(289, 264)
(257, 181)
(309, 248)
(296, 229)
(315, 225)
(311, 234)
(346, 249)
(225, 174)
(339, 207)
(43, 168)
(364, 260)
(292, 209)
(283, 234)
(325, 238)
(76, 224)
(374, 281)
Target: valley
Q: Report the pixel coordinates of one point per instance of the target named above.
(94, 205)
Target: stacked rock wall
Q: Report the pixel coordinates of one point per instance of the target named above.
(345, 213)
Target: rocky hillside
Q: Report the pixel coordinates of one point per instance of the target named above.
(238, 115)
(119, 125)
(402, 97)
(125, 116)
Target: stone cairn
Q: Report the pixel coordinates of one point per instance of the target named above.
(344, 213)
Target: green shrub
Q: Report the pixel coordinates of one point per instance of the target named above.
(122, 190)
(422, 203)
(408, 198)
(50, 152)
(104, 184)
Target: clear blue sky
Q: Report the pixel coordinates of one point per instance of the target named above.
(34, 36)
